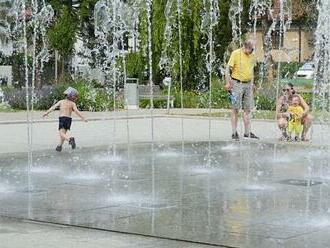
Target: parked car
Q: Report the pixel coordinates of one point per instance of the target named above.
(306, 71)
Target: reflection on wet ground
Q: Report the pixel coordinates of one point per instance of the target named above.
(226, 193)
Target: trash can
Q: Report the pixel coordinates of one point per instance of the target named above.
(131, 93)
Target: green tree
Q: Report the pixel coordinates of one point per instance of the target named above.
(86, 24)
(223, 33)
(62, 36)
(192, 39)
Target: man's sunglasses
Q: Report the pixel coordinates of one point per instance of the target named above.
(289, 89)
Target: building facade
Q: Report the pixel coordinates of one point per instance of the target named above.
(298, 46)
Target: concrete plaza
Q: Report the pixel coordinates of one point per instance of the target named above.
(123, 127)
(189, 184)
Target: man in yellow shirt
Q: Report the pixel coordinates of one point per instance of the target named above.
(239, 83)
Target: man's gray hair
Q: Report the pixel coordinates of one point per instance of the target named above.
(249, 44)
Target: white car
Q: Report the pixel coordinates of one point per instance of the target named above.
(306, 71)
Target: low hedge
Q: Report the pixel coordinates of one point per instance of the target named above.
(90, 98)
(93, 98)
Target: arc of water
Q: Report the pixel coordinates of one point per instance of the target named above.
(179, 10)
(18, 35)
(321, 89)
(210, 19)
(27, 85)
(151, 84)
(41, 18)
(235, 13)
(149, 4)
(44, 18)
(283, 18)
(259, 10)
(285, 13)
(113, 21)
(133, 24)
(165, 62)
(253, 15)
(34, 41)
(268, 43)
(30, 161)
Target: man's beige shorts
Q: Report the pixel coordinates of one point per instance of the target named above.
(244, 95)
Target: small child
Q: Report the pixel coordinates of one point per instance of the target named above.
(66, 106)
(296, 113)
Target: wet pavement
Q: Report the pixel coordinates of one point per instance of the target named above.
(15, 233)
(237, 194)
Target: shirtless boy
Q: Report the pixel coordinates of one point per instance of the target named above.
(66, 106)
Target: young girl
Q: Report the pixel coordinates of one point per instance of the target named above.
(296, 112)
(66, 106)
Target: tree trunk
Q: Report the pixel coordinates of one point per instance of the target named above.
(63, 62)
(299, 38)
(56, 66)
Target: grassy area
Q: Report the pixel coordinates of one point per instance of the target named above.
(300, 82)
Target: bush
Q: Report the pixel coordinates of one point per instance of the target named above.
(5, 107)
(16, 98)
(90, 98)
(101, 98)
(220, 98)
(190, 99)
(288, 69)
(308, 97)
(145, 103)
(263, 102)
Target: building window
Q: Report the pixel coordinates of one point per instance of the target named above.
(277, 39)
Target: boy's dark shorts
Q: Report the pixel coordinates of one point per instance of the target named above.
(64, 123)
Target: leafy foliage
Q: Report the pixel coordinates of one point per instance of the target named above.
(289, 68)
(135, 65)
(90, 98)
(62, 36)
(264, 102)
(86, 25)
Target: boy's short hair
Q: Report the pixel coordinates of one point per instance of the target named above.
(71, 94)
(71, 97)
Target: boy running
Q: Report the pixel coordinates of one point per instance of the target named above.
(66, 106)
